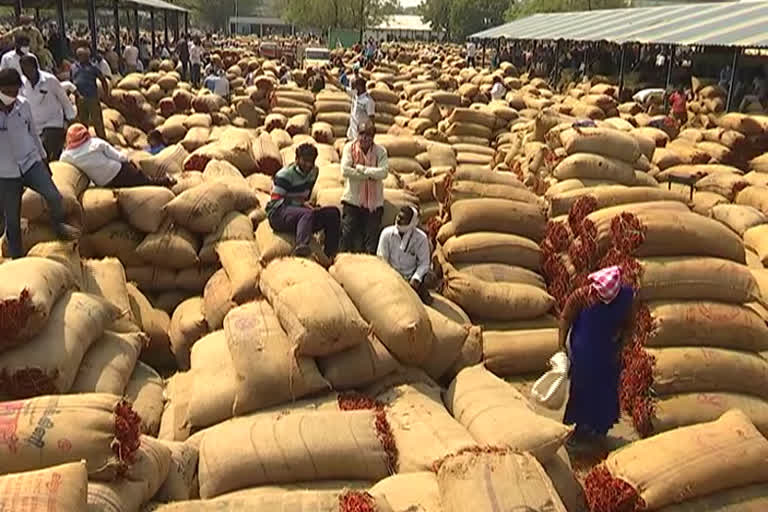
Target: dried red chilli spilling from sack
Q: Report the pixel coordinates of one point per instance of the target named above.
(579, 210)
(471, 449)
(14, 314)
(127, 432)
(636, 378)
(605, 493)
(29, 383)
(557, 237)
(628, 232)
(433, 226)
(355, 501)
(353, 401)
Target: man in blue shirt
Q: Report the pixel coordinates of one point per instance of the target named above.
(84, 75)
(22, 164)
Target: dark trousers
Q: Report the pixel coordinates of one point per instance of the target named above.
(89, 114)
(129, 176)
(195, 74)
(305, 221)
(53, 142)
(184, 69)
(360, 228)
(38, 179)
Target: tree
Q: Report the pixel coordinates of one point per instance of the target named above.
(335, 13)
(460, 18)
(216, 14)
(525, 8)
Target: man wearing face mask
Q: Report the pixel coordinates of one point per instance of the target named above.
(406, 248)
(289, 211)
(22, 164)
(365, 166)
(12, 59)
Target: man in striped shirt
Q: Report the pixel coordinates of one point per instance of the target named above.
(289, 211)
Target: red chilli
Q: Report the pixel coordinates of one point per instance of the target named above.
(605, 493)
(127, 434)
(14, 314)
(354, 501)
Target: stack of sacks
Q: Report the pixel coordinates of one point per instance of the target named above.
(591, 101)
(715, 184)
(708, 99)
(292, 101)
(469, 126)
(35, 219)
(724, 146)
(386, 103)
(725, 472)
(248, 153)
(402, 154)
(326, 153)
(332, 108)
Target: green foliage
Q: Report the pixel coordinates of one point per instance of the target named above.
(334, 13)
(215, 14)
(524, 8)
(460, 18)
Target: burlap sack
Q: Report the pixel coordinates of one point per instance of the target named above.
(187, 180)
(496, 301)
(698, 278)
(29, 288)
(358, 366)
(49, 430)
(491, 409)
(448, 341)
(702, 459)
(498, 215)
(263, 449)
(520, 351)
(108, 363)
(188, 325)
(755, 196)
(217, 299)
(268, 371)
(706, 324)
(142, 207)
(181, 483)
(601, 141)
(196, 137)
(423, 429)
(193, 280)
(740, 218)
(756, 238)
(145, 391)
(501, 273)
(313, 309)
(155, 323)
(66, 253)
(240, 260)
(211, 390)
(154, 279)
(62, 487)
(609, 196)
(172, 246)
(201, 208)
(388, 303)
(409, 491)
(675, 411)
(489, 247)
(266, 154)
(517, 482)
(117, 239)
(585, 165)
(99, 208)
(168, 161)
(234, 226)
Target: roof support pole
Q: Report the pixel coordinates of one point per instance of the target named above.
(532, 64)
(176, 26)
(485, 42)
(668, 81)
(37, 16)
(17, 6)
(62, 22)
(498, 51)
(165, 27)
(186, 25)
(621, 68)
(92, 25)
(555, 71)
(116, 9)
(136, 26)
(732, 81)
(152, 29)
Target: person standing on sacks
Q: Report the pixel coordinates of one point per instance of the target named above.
(363, 107)
(364, 166)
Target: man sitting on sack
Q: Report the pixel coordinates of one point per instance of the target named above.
(406, 248)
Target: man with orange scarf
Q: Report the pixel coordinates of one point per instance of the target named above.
(365, 166)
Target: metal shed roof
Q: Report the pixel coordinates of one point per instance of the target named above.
(718, 24)
(141, 4)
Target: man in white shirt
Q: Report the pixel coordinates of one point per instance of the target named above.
(51, 108)
(11, 59)
(406, 248)
(217, 83)
(363, 108)
(471, 52)
(498, 91)
(195, 61)
(131, 58)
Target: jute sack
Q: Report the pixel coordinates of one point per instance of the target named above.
(29, 287)
(358, 366)
(234, 146)
(273, 245)
(467, 115)
(756, 238)
(738, 499)
(696, 278)
(142, 481)
(489, 247)
(501, 273)
(743, 123)
(181, 483)
(516, 482)
(449, 339)
(755, 196)
(66, 253)
(466, 189)
(313, 309)
(266, 156)
(491, 410)
(145, 392)
(409, 491)
(696, 171)
(518, 351)
(49, 362)
(703, 369)
(108, 363)
(117, 239)
(155, 323)
(498, 215)
(201, 208)
(739, 218)
(194, 279)
(187, 180)
(586, 165)
(152, 278)
(234, 226)
(62, 487)
(449, 309)
(441, 155)
(611, 195)
(168, 161)
(601, 141)
(488, 177)
(196, 137)
(172, 246)
(675, 411)
(240, 260)
(143, 207)
(401, 147)
(702, 459)
(211, 393)
(496, 301)
(268, 371)
(295, 497)
(388, 303)
(423, 429)
(99, 208)
(99, 428)
(292, 448)
(702, 323)
(224, 171)
(217, 299)
(188, 325)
